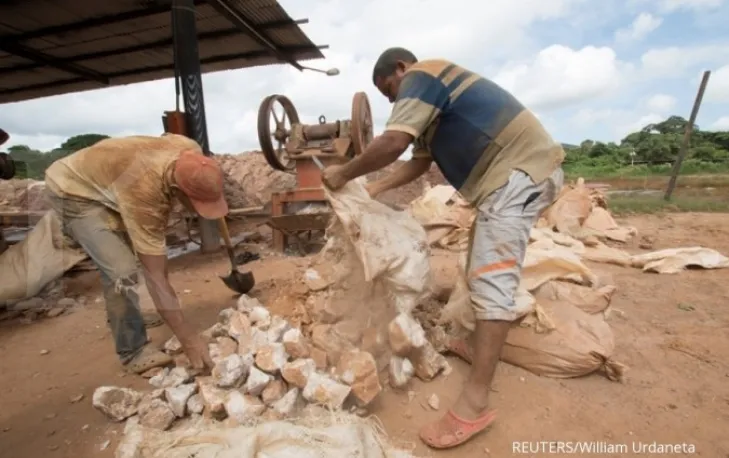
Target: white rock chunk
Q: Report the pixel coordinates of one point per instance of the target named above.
(158, 380)
(324, 391)
(259, 339)
(195, 404)
(173, 346)
(214, 331)
(401, 370)
(274, 391)
(243, 408)
(428, 362)
(231, 371)
(116, 403)
(277, 328)
(405, 335)
(434, 401)
(260, 317)
(271, 358)
(257, 381)
(171, 378)
(159, 393)
(213, 397)
(295, 344)
(177, 397)
(226, 315)
(287, 404)
(156, 414)
(246, 303)
(297, 372)
(239, 327)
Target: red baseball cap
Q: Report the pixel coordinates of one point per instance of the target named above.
(201, 179)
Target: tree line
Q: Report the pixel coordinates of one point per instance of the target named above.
(650, 150)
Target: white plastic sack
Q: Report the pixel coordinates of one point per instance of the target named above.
(392, 245)
(355, 437)
(674, 260)
(37, 260)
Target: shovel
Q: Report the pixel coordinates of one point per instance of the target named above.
(237, 281)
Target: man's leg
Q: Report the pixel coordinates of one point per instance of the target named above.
(499, 243)
(119, 275)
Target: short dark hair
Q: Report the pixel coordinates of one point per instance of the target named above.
(387, 62)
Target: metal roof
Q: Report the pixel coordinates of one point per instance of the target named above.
(51, 47)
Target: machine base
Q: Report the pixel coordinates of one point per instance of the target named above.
(286, 225)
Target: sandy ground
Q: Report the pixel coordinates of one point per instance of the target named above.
(672, 335)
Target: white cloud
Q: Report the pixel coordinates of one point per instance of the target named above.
(549, 53)
(356, 31)
(661, 103)
(720, 124)
(717, 89)
(675, 62)
(644, 24)
(559, 75)
(670, 6)
(620, 122)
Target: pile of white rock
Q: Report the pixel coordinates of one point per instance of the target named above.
(267, 369)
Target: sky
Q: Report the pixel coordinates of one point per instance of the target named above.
(588, 69)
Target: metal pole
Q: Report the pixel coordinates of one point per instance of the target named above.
(188, 62)
(687, 136)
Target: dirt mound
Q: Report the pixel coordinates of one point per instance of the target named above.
(249, 180)
(23, 195)
(406, 194)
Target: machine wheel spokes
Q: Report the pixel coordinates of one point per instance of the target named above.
(274, 130)
(362, 127)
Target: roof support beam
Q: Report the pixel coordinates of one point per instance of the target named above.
(101, 21)
(159, 44)
(165, 67)
(45, 59)
(237, 19)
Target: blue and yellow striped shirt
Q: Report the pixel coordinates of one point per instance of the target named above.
(476, 131)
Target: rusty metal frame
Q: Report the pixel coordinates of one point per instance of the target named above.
(278, 206)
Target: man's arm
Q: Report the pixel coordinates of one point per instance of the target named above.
(406, 173)
(165, 300)
(381, 152)
(419, 102)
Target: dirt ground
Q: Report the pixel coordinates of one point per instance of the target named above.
(671, 333)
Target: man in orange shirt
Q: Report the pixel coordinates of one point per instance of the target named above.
(114, 198)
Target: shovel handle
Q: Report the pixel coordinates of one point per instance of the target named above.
(228, 243)
(225, 233)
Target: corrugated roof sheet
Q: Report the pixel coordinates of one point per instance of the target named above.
(129, 41)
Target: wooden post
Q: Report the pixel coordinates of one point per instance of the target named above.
(687, 136)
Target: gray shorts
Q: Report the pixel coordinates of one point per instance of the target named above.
(498, 242)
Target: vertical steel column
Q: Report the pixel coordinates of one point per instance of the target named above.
(188, 66)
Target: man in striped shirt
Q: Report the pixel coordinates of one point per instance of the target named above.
(498, 155)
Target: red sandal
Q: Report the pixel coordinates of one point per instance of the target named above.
(460, 348)
(451, 430)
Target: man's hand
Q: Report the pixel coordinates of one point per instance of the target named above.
(333, 178)
(197, 352)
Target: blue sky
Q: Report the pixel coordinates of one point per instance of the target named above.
(588, 69)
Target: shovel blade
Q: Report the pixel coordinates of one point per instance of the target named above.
(239, 282)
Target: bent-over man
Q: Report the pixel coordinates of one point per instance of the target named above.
(114, 198)
(497, 154)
